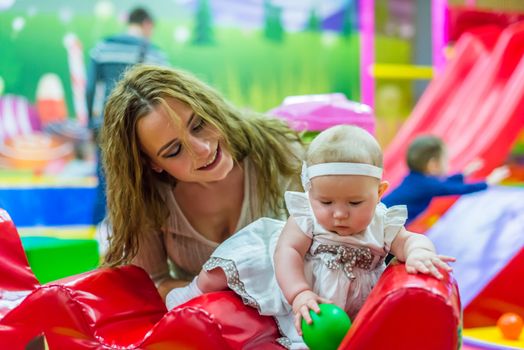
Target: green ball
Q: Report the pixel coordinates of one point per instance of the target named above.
(328, 329)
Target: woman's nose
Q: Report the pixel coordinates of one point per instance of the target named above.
(200, 146)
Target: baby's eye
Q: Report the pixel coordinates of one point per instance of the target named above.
(326, 202)
(356, 203)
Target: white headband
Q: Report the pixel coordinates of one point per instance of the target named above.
(337, 169)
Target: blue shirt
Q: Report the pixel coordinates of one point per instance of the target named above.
(417, 190)
(109, 59)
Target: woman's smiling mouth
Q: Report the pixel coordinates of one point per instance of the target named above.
(213, 161)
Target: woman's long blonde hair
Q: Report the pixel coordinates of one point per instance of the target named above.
(135, 206)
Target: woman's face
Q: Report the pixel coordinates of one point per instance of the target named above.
(202, 156)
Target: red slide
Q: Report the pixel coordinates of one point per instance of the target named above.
(499, 114)
(468, 52)
(476, 106)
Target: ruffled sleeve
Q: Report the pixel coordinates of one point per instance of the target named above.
(394, 219)
(297, 204)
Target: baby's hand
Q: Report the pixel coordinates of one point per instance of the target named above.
(426, 261)
(303, 302)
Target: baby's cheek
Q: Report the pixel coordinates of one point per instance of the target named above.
(365, 218)
(322, 215)
(324, 221)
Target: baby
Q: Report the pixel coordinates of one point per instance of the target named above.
(332, 247)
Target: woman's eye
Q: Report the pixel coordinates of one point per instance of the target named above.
(199, 124)
(174, 153)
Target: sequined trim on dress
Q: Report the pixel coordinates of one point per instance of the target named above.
(235, 284)
(346, 258)
(233, 280)
(285, 342)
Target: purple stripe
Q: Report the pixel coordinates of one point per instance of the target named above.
(367, 51)
(12, 124)
(439, 33)
(485, 345)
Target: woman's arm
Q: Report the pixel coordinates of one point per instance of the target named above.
(152, 257)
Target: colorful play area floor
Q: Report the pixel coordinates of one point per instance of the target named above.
(488, 338)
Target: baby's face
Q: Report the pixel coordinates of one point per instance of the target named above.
(344, 204)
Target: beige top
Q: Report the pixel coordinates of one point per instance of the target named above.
(179, 250)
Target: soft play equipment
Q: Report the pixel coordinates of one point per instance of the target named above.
(23, 145)
(34, 151)
(466, 53)
(484, 231)
(488, 338)
(464, 19)
(437, 207)
(481, 92)
(315, 113)
(49, 205)
(70, 130)
(120, 308)
(52, 258)
(50, 100)
(17, 117)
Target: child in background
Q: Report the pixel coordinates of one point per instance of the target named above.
(427, 161)
(332, 247)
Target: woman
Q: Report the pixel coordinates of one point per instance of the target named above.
(185, 170)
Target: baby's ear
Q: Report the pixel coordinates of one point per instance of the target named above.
(384, 185)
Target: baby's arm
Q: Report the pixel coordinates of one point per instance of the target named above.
(292, 246)
(419, 254)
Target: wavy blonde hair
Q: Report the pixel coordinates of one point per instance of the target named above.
(134, 204)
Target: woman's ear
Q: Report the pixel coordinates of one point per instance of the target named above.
(384, 185)
(156, 167)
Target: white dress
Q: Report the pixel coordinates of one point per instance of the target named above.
(342, 269)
